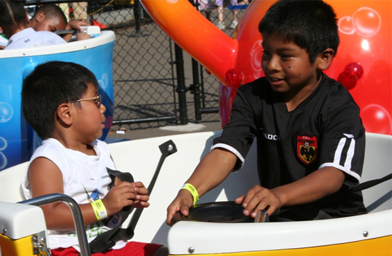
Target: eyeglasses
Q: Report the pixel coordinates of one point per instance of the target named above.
(96, 100)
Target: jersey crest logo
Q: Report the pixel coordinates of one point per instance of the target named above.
(307, 149)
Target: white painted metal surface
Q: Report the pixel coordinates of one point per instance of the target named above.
(19, 220)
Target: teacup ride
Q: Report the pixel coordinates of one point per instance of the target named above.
(17, 140)
(23, 228)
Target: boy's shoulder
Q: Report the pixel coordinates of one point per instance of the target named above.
(259, 90)
(52, 150)
(54, 145)
(48, 145)
(100, 144)
(335, 90)
(30, 38)
(331, 98)
(256, 87)
(48, 34)
(58, 153)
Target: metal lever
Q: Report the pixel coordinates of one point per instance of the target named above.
(261, 216)
(167, 149)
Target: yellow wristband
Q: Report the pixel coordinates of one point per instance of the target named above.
(99, 209)
(193, 191)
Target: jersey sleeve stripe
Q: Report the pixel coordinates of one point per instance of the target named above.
(345, 151)
(339, 151)
(232, 150)
(350, 155)
(343, 158)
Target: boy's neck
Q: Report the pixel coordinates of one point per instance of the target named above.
(75, 145)
(294, 99)
(20, 28)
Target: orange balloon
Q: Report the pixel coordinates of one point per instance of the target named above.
(363, 63)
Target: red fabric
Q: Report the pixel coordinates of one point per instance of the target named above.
(131, 249)
(100, 25)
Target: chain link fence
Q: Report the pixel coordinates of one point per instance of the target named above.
(145, 78)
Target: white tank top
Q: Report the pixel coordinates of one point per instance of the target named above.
(85, 178)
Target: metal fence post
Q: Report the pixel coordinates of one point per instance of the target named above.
(181, 89)
(195, 89)
(136, 12)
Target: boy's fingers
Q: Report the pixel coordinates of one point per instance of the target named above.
(170, 213)
(239, 200)
(169, 219)
(271, 209)
(184, 210)
(138, 184)
(124, 183)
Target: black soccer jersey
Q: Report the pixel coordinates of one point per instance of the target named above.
(324, 130)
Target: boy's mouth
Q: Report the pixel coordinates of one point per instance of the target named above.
(275, 80)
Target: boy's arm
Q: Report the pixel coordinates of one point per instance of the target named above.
(45, 178)
(210, 172)
(76, 25)
(316, 185)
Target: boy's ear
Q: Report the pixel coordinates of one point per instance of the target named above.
(325, 58)
(40, 16)
(64, 113)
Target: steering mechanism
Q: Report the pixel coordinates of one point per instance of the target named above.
(220, 212)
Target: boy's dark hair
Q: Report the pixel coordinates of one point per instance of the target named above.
(309, 24)
(49, 85)
(52, 11)
(12, 16)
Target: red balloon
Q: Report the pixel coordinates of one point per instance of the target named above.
(376, 117)
(350, 75)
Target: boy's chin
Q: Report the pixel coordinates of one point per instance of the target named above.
(278, 89)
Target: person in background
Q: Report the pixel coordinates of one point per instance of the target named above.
(221, 25)
(51, 18)
(14, 23)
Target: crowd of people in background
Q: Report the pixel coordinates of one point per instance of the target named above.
(207, 6)
(40, 25)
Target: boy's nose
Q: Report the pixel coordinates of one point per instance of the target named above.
(273, 64)
(102, 108)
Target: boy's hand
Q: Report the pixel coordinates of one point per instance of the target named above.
(76, 24)
(181, 203)
(259, 198)
(141, 200)
(82, 36)
(119, 196)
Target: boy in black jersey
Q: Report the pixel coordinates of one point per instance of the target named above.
(310, 138)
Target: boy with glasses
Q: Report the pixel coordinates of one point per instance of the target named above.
(60, 101)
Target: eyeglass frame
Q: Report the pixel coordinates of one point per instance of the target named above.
(97, 100)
